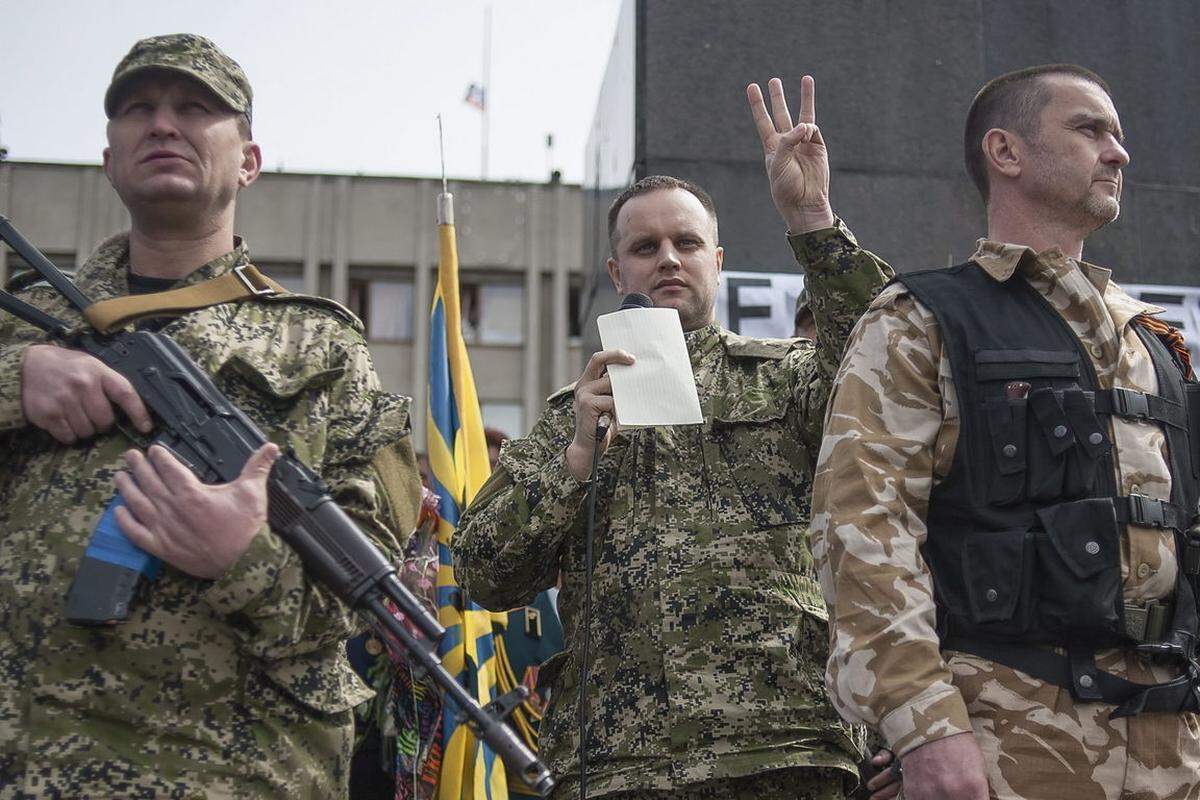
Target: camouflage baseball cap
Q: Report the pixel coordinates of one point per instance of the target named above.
(191, 55)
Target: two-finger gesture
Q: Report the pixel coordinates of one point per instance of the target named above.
(795, 155)
(198, 528)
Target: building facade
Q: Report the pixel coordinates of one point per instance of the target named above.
(371, 244)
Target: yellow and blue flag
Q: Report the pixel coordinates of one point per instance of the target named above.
(458, 459)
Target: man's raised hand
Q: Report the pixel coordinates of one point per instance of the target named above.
(796, 159)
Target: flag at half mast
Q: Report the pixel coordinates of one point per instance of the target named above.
(458, 459)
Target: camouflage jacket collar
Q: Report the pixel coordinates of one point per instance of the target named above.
(106, 272)
(1123, 308)
(1001, 261)
(702, 341)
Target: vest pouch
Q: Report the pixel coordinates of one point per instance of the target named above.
(1078, 575)
(1006, 430)
(1023, 460)
(998, 576)
(1091, 443)
(1049, 440)
(1036, 366)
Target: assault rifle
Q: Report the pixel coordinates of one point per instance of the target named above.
(214, 438)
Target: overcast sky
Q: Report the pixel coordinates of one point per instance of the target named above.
(351, 86)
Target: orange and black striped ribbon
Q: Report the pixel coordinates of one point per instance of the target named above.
(1172, 338)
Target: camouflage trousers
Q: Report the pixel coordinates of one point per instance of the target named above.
(1039, 744)
(808, 783)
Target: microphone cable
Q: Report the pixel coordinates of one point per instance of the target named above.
(631, 301)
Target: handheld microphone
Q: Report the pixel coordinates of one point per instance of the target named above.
(636, 300)
(632, 300)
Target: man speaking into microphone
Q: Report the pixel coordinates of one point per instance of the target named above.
(707, 638)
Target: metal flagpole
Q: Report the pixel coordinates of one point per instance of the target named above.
(445, 204)
(487, 89)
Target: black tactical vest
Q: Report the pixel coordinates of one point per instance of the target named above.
(1025, 531)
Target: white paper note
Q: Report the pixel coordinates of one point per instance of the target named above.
(659, 388)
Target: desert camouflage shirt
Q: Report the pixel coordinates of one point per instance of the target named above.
(235, 687)
(708, 637)
(891, 434)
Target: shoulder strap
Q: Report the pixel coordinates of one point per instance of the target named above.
(1173, 340)
(241, 283)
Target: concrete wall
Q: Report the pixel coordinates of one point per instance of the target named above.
(323, 231)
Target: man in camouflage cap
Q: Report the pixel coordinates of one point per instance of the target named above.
(191, 56)
(708, 636)
(228, 679)
(1004, 488)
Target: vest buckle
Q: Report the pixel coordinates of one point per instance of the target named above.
(1131, 404)
(1147, 510)
(256, 291)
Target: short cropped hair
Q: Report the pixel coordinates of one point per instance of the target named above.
(1013, 102)
(654, 183)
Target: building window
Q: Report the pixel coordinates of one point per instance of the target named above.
(391, 304)
(574, 311)
(493, 313)
(385, 307)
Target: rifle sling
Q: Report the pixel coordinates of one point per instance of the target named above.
(244, 282)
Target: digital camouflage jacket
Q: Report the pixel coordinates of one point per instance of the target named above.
(236, 687)
(708, 638)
